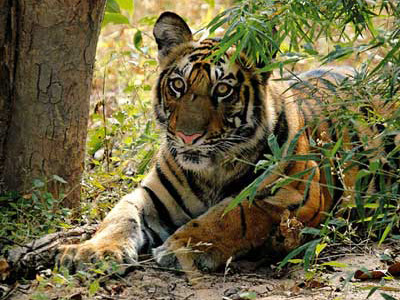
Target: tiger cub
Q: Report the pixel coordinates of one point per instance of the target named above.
(216, 117)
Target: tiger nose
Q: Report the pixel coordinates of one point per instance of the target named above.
(188, 139)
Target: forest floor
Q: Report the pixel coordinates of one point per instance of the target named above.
(243, 280)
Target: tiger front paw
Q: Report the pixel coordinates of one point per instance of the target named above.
(78, 256)
(183, 254)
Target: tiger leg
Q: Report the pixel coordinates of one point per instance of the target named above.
(119, 235)
(208, 241)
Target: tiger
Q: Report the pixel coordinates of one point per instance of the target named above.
(216, 117)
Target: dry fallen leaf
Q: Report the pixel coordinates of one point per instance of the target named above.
(4, 269)
(394, 270)
(377, 274)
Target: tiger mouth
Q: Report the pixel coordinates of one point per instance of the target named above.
(192, 156)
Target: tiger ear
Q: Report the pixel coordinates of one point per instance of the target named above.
(170, 31)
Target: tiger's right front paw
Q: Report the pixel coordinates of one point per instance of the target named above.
(77, 256)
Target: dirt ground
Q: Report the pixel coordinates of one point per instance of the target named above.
(243, 280)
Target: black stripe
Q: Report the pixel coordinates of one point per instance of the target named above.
(246, 131)
(238, 184)
(172, 169)
(307, 187)
(257, 101)
(229, 76)
(206, 47)
(243, 220)
(281, 130)
(162, 211)
(246, 96)
(332, 130)
(293, 207)
(240, 76)
(197, 57)
(153, 238)
(194, 186)
(260, 207)
(208, 70)
(172, 191)
(157, 107)
(211, 41)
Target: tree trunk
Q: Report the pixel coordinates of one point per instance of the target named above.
(47, 51)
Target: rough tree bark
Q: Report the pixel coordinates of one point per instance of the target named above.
(47, 51)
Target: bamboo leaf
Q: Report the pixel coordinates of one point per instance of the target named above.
(319, 248)
(335, 264)
(297, 251)
(285, 181)
(385, 234)
(273, 145)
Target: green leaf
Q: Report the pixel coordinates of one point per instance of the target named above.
(287, 180)
(114, 18)
(335, 148)
(137, 40)
(279, 64)
(311, 230)
(305, 157)
(298, 250)
(310, 253)
(308, 184)
(385, 233)
(210, 2)
(362, 173)
(293, 142)
(94, 287)
(339, 52)
(308, 48)
(249, 191)
(37, 183)
(248, 295)
(59, 179)
(295, 261)
(319, 248)
(374, 165)
(372, 291)
(273, 145)
(335, 264)
(383, 62)
(329, 178)
(112, 6)
(128, 5)
(387, 297)
(148, 20)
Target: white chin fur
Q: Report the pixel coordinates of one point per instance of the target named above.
(201, 165)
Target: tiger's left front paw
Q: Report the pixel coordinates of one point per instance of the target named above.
(166, 258)
(183, 254)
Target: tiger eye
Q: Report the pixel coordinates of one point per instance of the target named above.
(222, 89)
(178, 84)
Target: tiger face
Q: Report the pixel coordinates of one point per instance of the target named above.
(211, 110)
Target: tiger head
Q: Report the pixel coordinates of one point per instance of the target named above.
(211, 110)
